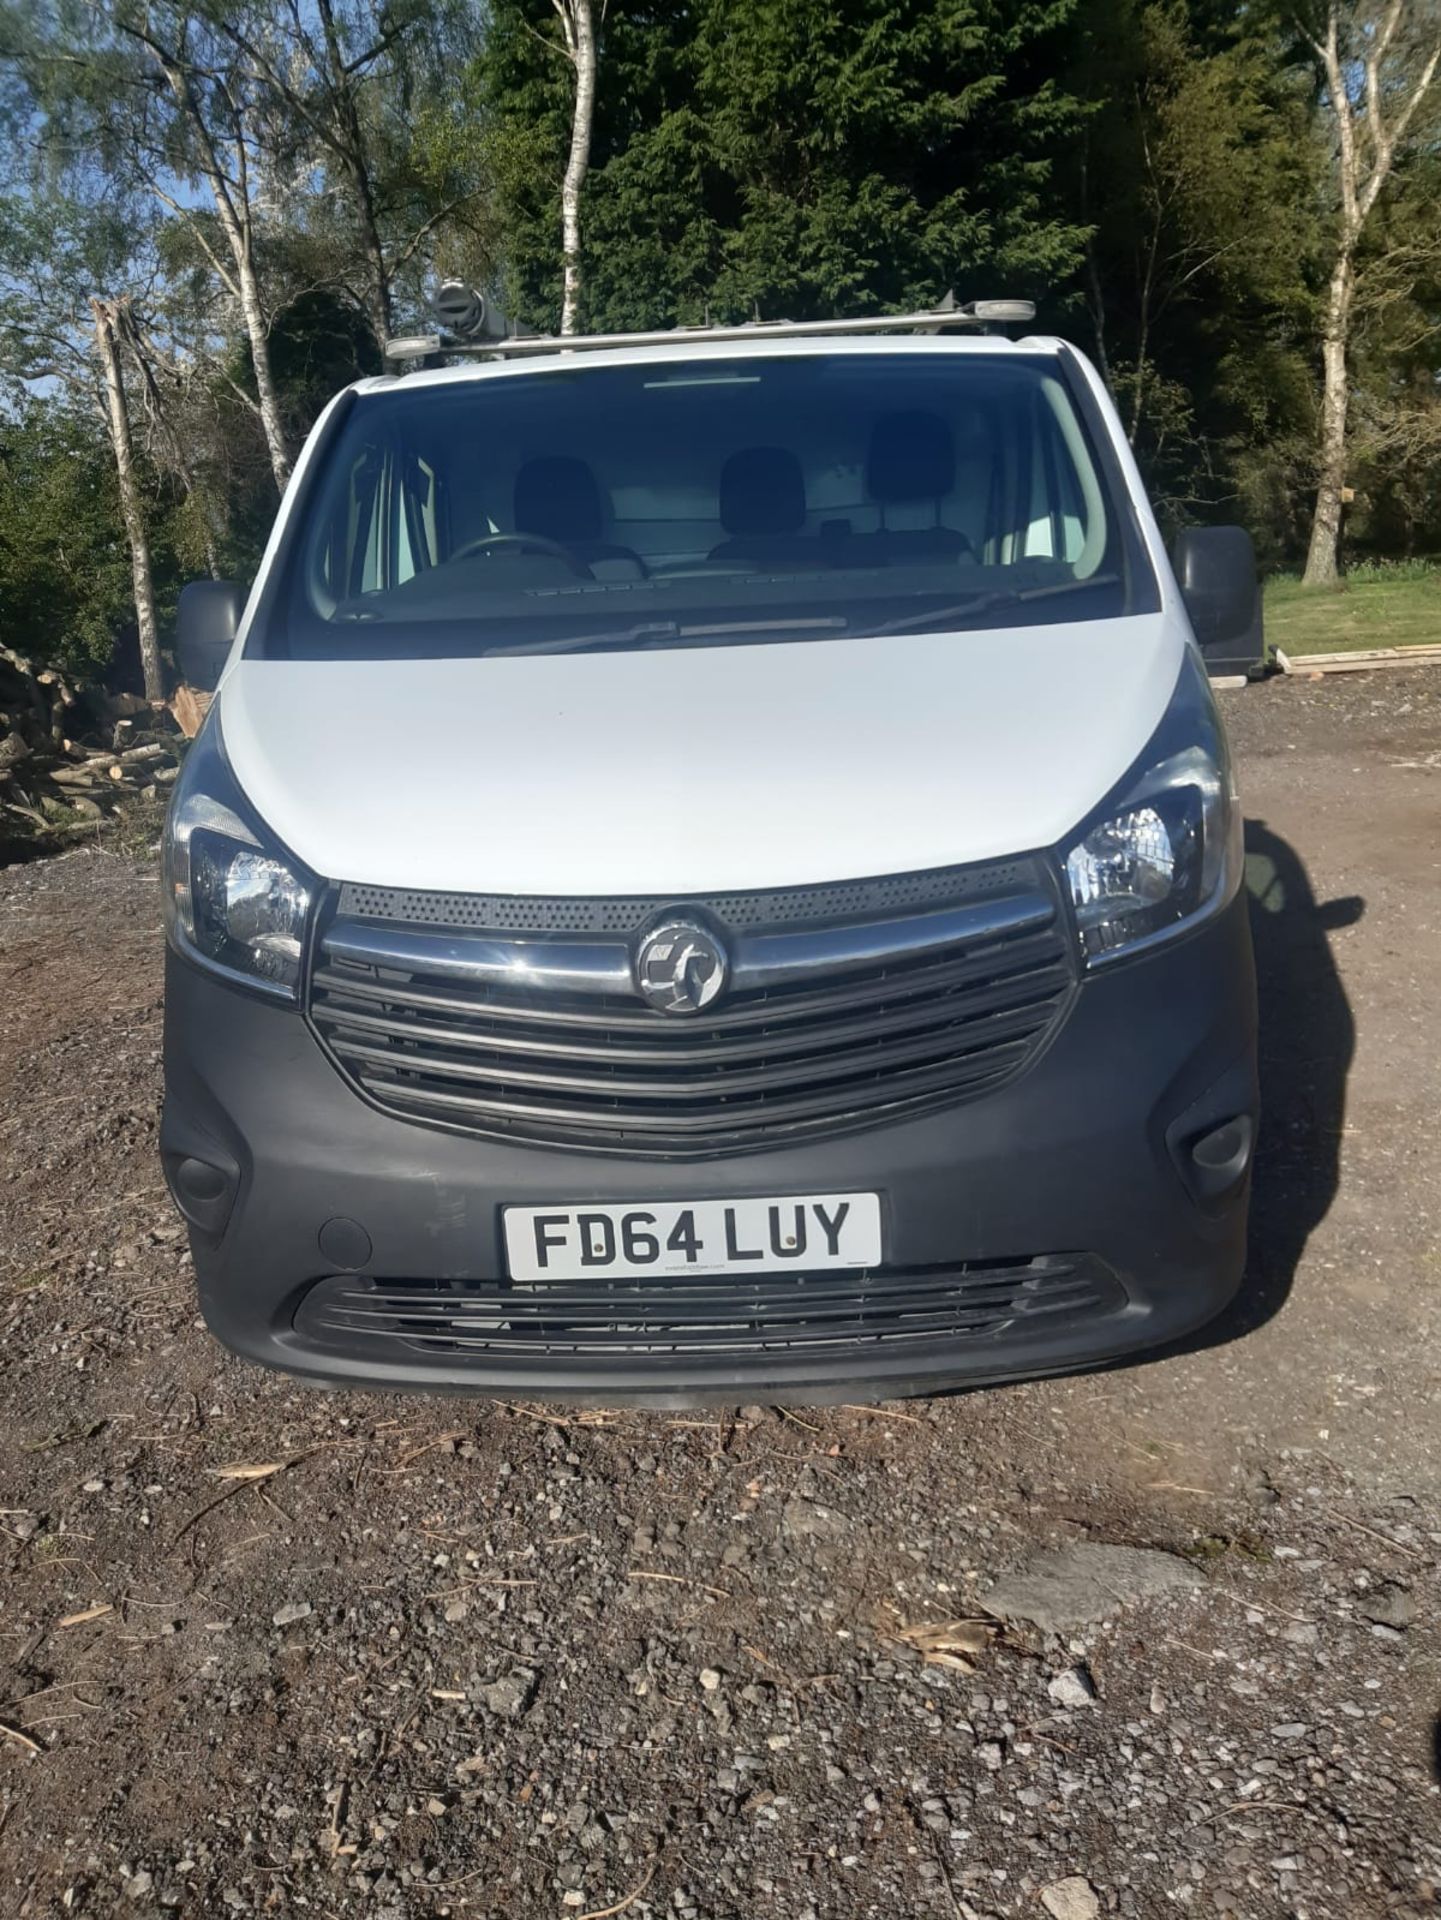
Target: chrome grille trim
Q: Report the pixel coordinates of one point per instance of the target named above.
(757, 960)
(823, 1028)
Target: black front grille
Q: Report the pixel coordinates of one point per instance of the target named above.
(720, 1318)
(843, 900)
(820, 1053)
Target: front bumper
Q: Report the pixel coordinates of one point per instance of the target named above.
(289, 1178)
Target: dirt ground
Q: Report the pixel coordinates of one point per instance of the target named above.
(454, 1658)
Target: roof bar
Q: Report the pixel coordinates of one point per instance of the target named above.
(971, 313)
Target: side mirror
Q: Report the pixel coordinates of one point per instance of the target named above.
(206, 623)
(1216, 572)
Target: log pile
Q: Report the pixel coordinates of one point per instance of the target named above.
(70, 755)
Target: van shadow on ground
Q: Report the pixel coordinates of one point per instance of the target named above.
(1307, 1040)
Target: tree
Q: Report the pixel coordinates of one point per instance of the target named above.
(787, 155)
(1377, 67)
(108, 332)
(1198, 312)
(153, 98)
(577, 26)
(160, 415)
(58, 333)
(208, 136)
(332, 77)
(65, 579)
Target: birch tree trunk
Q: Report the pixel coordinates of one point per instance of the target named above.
(1322, 555)
(267, 394)
(578, 25)
(230, 196)
(131, 506)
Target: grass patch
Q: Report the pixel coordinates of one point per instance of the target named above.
(1376, 606)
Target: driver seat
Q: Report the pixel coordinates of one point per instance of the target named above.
(558, 498)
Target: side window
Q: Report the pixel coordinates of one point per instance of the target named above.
(1054, 520)
(351, 561)
(387, 525)
(415, 504)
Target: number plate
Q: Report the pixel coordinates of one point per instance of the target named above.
(698, 1236)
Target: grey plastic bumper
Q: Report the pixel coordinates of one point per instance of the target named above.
(293, 1177)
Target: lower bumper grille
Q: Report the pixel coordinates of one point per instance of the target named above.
(722, 1320)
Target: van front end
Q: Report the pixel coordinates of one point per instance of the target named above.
(859, 1139)
(713, 873)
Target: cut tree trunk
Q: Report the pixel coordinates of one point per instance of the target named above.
(189, 709)
(131, 506)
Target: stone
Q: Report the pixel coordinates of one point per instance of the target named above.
(512, 1694)
(140, 1886)
(1072, 1587)
(291, 1612)
(1071, 1899)
(804, 1520)
(710, 1679)
(1073, 1688)
(1388, 1606)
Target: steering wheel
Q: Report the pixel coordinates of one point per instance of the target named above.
(519, 543)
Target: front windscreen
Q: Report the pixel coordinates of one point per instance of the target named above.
(708, 502)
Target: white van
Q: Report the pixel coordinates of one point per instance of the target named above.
(713, 871)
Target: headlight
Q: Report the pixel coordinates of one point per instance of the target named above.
(1165, 849)
(233, 902)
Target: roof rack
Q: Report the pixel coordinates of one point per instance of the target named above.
(969, 313)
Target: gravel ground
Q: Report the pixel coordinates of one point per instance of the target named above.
(447, 1658)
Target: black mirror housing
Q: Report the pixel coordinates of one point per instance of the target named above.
(206, 622)
(1216, 572)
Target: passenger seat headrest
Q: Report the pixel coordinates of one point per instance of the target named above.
(912, 457)
(762, 491)
(557, 497)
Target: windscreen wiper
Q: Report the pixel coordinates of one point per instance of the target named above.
(996, 597)
(673, 633)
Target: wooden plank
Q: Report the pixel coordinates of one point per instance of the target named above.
(1357, 660)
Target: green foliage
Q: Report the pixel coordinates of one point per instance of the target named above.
(319, 343)
(1202, 314)
(792, 157)
(64, 568)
